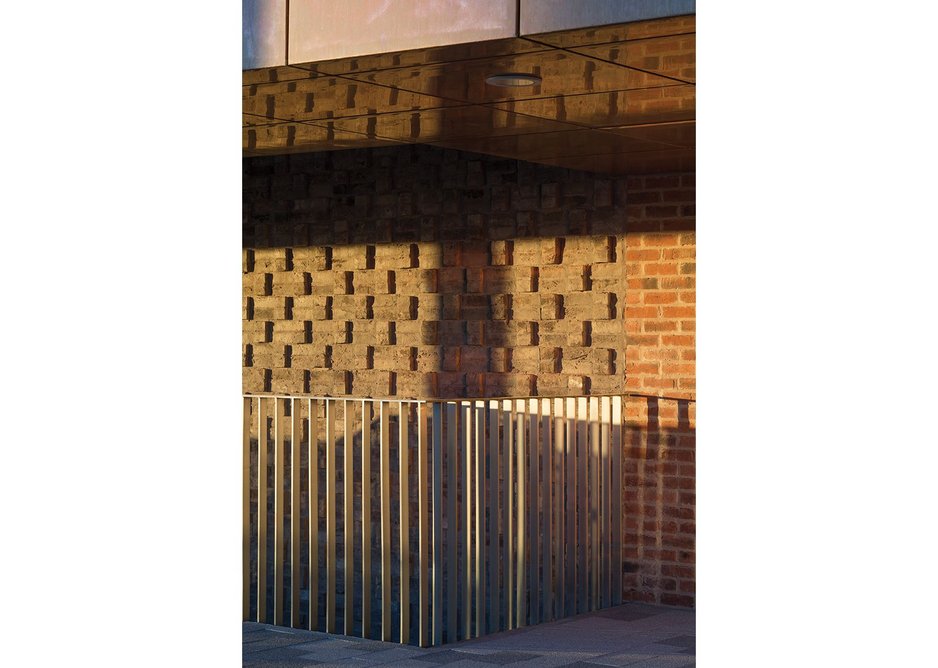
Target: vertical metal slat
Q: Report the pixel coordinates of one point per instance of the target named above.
(509, 526)
(385, 522)
(494, 586)
(533, 591)
(403, 451)
(261, 512)
(465, 436)
(295, 430)
(616, 488)
(312, 472)
(594, 501)
(348, 515)
(605, 527)
(366, 518)
(521, 441)
(246, 509)
(437, 473)
(582, 454)
(571, 515)
(452, 521)
(480, 457)
(547, 510)
(559, 582)
(331, 494)
(423, 538)
(279, 482)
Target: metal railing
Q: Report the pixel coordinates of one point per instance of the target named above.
(426, 522)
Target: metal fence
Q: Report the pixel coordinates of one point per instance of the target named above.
(426, 522)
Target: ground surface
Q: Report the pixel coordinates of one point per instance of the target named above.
(634, 635)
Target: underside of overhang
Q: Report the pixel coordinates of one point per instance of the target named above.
(616, 99)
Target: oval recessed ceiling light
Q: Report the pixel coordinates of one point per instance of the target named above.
(513, 79)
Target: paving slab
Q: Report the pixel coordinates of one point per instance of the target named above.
(634, 635)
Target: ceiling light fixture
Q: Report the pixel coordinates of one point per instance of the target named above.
(513, 79)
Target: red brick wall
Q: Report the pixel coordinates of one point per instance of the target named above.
(660, 357)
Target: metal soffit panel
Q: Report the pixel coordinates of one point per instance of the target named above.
(320, 30)
(539, 16)
(625, 91)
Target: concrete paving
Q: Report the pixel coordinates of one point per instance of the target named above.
(634, 635)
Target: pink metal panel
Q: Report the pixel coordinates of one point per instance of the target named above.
(328, 30)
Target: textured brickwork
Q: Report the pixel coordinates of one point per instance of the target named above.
(419, 272)
(416, 272)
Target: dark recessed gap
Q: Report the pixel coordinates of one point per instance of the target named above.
(327, 358)
(287, 356)
(588, 277)
(268, 284)
(268, 332)
(307, 331)
(611, 248)
(350, 283)
(249, 355)
(587, 333)
(249, 260)
(369, 257)
(414, 256)
(288, 259)
(392, 333)
(370, 357)
(328, 313)
(327, 257)
(249, 308)
(535, 279)
(369, 308)
(288, 308)
(392, 283)
(267, 380)
(414, 305)
(307, 283)
(535, 335)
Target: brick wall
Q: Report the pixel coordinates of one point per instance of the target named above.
(419, 272)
